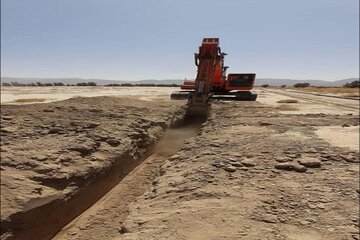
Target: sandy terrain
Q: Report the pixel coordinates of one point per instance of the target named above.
(271, 169)
(253, 174)
(27, 95)
(341, 91)
(307, 104)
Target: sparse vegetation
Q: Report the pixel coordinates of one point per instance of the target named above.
(141, 85)
(40, 84)
(354, 84)
(302, 85)
(86, 84)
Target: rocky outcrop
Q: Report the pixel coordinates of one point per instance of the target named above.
(58, 158)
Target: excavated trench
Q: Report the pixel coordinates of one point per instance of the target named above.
(51, 218)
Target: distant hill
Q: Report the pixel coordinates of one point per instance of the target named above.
(258, 82)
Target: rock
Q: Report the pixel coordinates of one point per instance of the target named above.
(37, 190)
(7, 117)
(236, 164)
(248, 163)
(304, 222)
(283, 159)
(293, 155)
(312, 206)
(93, 124)
(290, 167)
(265, 124)
(82, 148)
(122, 229)
(311, 220)
(218, 164)
(320, 206)
(270, 218)
(55, 130)
(8, 130)
(284, 166)
(282, 211)
(330, 157)
(345, 125)
(350, 158)
(310, 162)
(113, 142)
(311, 150)
(39, 157)
(214, 144)
(72, 233)
(299, 168)
(174, 157)
(243, 168)
(95, 110)
(48, 110)
(3, 150)
(230, 168)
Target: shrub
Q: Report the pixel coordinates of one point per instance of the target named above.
(265, 85)
(299, 85)
(354, 84)
(126, 85)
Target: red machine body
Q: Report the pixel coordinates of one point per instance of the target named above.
(210, 63)
(211, 80)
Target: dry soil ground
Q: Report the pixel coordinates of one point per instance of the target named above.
(341, 91)
(253, 170)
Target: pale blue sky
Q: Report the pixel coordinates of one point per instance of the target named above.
(156, 39)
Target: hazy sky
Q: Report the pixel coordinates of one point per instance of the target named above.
(156, 39)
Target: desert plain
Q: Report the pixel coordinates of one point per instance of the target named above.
(123, 163)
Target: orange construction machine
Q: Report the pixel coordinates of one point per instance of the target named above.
(211, 80)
